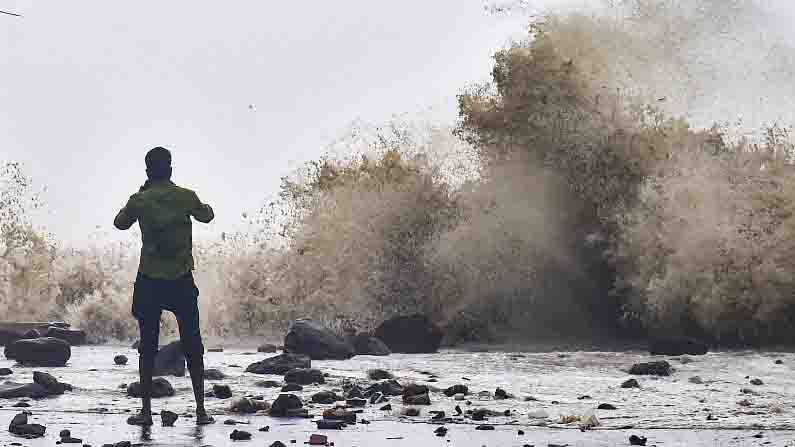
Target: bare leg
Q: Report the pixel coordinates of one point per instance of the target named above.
(146, 366)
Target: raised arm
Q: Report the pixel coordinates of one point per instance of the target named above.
(126, 217)
(201, 211)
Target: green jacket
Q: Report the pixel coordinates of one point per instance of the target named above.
(163, 211)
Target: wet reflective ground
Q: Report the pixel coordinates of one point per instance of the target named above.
(723, 408)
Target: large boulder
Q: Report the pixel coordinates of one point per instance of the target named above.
(306, 337)
(170, 360)
(366, 344)
(74, 337)
(286, 405)
(160, 388)
(304, 376)
(279, 364)
(45, 351)
(412, 334)
(677, 346)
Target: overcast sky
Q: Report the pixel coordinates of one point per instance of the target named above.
(86, 87)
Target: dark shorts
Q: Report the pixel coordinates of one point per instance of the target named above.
(180, 296)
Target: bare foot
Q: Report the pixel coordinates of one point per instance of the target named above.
(142, 419)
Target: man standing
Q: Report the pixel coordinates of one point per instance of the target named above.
(163, 211)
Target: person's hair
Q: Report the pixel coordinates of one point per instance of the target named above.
(158, 163)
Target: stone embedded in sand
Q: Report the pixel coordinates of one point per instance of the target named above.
(387, 407)
(660, 368)
(354, 392)
(340, 414)
(170, 360)
(631, 383)
(637, 440)
(304, 376)
(45, 351)
(414, 389)
(325, 424)
(484, 427)
(290, 387)
(267, 384)
(411, 412)
(214, 374)
(308, 338)
(356, 402)
(366, 344)
(222, 391)
(160, 388)
(5, 372)
(410, 334)
(277, 444)
(19, 426)
(13, 390)
(168, 418)
(120, 359)
(215, 350)
(387, 388)
(441, 431)
(280, 364)
(606, 407)
(456, 389)
(50, 383)
(757, 382)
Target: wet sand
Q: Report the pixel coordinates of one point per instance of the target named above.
(669, 411)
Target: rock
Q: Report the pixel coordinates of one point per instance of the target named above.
(366, 344)
(222, 391)
(214, 374)
(285, 404)
(168, 418)
(280, 364)
(779, 362)
(240, 435)
(606, 407)
(215, 350)
(340, 414)
(411, 412)
(379, 374)
(136, 344)
(277, 444)
(304, 376)
(21, 405)
(387, 388)
(377, 398)
(170, 360)
(696, 380)
(19, 426)
(325, 397)
(484, 427)
(318, 440)
(631, 383)
(676, 346)
(6, 372)
(413, 390)
(50, 383)
(13, 390)
(290, 387)
(308, 338)
(74, 337)
(456, 389)
(120, 360)
(410, 334)
(354, 392)
(637, 440)
(45, 351)
(267, 384)
(660, 368)
(417, 399)
(757, 382)
(160, 388)
(501, 394)
(440, 431)
(248, 406)
(357, 402)
(268, 348)
(325, 424)
(387, 407)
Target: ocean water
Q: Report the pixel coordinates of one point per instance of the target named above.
(668, 410)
